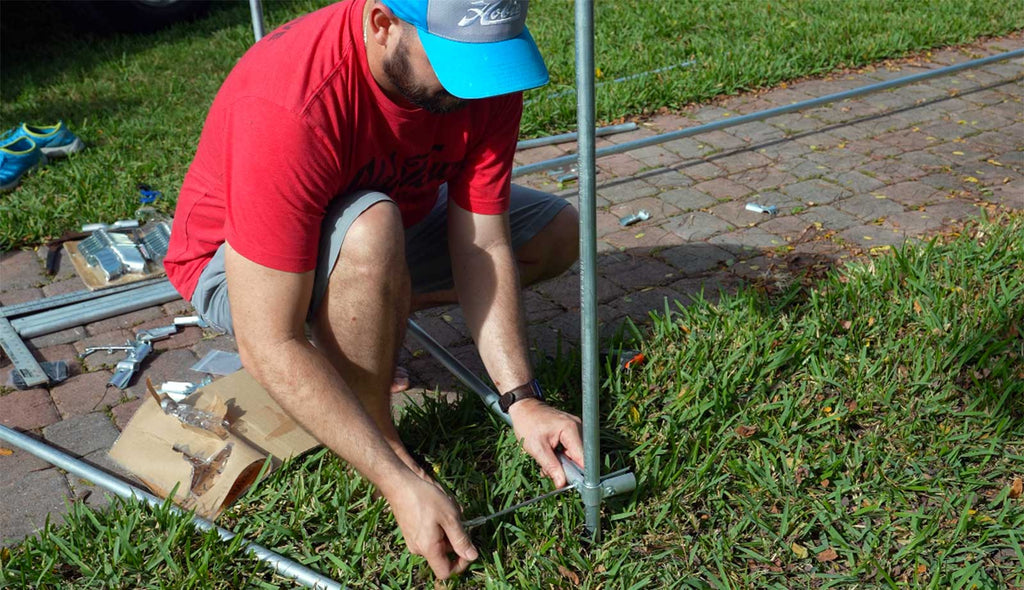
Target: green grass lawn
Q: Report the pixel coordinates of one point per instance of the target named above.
(139, 101)
(863, 431)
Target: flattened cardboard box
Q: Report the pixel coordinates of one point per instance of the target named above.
(210, 469)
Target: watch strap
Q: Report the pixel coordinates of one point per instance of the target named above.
(528, 390)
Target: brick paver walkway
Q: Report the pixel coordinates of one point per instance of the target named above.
(847, 178)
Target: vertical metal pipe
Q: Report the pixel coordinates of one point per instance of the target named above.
(256, 9)
(585, 117)
(282, 565)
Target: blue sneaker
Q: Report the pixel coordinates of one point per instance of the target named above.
(54, 140)
(16, 158)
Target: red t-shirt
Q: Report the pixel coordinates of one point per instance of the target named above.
(299, 121)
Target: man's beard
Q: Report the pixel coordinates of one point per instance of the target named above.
(399, 73)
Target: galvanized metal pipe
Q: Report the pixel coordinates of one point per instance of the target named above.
(564, 137)
(585, 116)
(94, 309)
(282, 565)
(769, 113)
(20, 309)
(256, 10)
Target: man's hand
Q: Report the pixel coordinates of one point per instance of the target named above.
(542, 429)
(431, 525)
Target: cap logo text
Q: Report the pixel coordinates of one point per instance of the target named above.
(492, 12)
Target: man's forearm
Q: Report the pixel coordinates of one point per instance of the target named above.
(306, 386)
(487, 281)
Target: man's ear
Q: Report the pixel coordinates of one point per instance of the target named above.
(382, 25)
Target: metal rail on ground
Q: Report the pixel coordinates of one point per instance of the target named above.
(282, 565)
(769, 113)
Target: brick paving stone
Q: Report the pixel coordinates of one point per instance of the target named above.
(787, 227)
(667, 122)
(122, 413)
(169, 365)
(802, 168)
(984, 172)
(66, 336)
(14, 296)
(941, 181)
(829, 217)
(565, 290)
(912, 193)
(740, 161)
(27, 410)
(1009, 195)
(855, 181)
(654, 156)
(20, 269)
(538, 154)
(622, 191)
(638, 272)
(962, 152)
(795, 123)
(871, 236)
(72, 285)
(666, 178)
(687, 199)
(889, 171)
(869, 207)
(926, 160)
(736, 214)
(620, 165)
(127, 320)
(838, 159)
(179, 307)
(81, 435)
(658, 207)
(694, 259)
(28, 501)
(722, 140)
(697, 226)
(688, 148)
(18, 464)
(815, 191)
(84, 394)
(767, 178)
(984, 97)
(642, 237)
(213, 341)
(539, 308)
(780, 150)
(761, 268)
(819, 141)
(723, 188)
(756, 132)
(786, 204)
(700, 171)
(747, 239)
(953, 209)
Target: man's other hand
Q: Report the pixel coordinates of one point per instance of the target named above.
(430, 522)
(542, 429)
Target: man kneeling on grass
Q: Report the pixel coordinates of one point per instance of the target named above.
(356, 164)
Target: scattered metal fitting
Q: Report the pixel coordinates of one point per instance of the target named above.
(641, 215)
(124, 369)
(769, 209)
(157, 240)
(121, 224)
(115, 253)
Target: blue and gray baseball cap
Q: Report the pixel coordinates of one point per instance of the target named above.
(478, 48)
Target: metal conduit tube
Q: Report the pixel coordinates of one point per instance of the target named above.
(585, 115)
(18, 309)
(282, 565)
(256, 10)
(93, 310)
(767, 114)
(572, 471)
(564, 137)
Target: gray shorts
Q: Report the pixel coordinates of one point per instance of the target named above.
(426, 247)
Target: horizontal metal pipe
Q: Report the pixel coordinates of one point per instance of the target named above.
(94, 310)
(564, 137)
(19, 309)
(767, 114)
(282, 565)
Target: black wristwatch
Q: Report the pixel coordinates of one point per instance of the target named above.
(524, 391)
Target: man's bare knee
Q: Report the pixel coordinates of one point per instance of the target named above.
(374, 245)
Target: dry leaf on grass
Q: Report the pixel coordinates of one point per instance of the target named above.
(568, 574)
(826, 555)
(1016, 488)
(4, 452)
(799, 550)
(746, 431)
